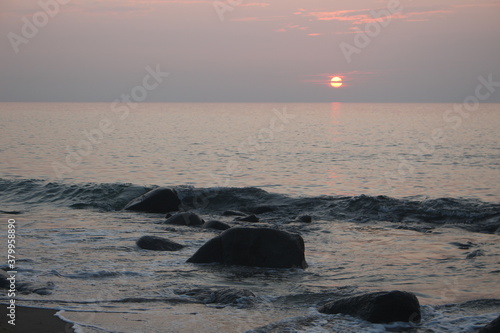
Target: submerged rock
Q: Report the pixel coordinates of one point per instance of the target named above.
(379, 307)
(11, 212)
(217, 225)
(304, 218)
(249, 218)
(158, 244)
(475, 253)
(492, 327)
(186, 218)
(160, 200)
(6, 282)
(221, 296)
(261, 247)
(229, 296)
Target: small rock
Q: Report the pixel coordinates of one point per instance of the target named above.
(26, 288)
(463, 246)
(158, 244)
(4, 283)
(379, 307)
(249, 218)
(11, 212)
(186, 218)
(305, 218)
(218, 225)
(229, 296)
(475, 253)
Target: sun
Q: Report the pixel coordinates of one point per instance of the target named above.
(336, 82)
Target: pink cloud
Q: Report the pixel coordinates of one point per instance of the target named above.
(340, 15)
(365, 15)
(255, 4)
(257, 19)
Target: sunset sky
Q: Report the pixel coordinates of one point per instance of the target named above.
(249, 50)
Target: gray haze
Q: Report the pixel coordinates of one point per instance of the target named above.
(262, 51)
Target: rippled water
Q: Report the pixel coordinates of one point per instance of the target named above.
(387, 213)
(299, 149)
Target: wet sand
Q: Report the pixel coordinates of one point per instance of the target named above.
(30, 319)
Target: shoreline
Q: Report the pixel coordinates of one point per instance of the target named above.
(33, 319)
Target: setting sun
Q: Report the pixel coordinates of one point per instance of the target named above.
(336, 82)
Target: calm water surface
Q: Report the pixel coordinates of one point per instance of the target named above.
(299, 149)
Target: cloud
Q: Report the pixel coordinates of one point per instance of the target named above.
(364, 16)
(257, 18)
(255, 4)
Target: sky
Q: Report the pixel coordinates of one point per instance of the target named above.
(247, 50)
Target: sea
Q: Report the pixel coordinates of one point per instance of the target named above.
(401, 196)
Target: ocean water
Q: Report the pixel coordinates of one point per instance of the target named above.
(402, 196)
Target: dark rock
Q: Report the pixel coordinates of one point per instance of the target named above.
(158, 244)
(463, 246)
(218, 225)
(261, 247)
(492, 327)
(4, 283)
(305, 218)
(475, 253)
(229, 296)
(417, 228)
(210, 252)
(186, 218)
(25, 288)
(249, 218)
(160, 200)
(379, 307)
(11, 212)
(233, 213)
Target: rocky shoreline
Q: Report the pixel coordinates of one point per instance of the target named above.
(254, 238)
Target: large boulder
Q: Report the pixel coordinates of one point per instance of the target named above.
(185, 218)
(160, 200)
(379, 307)
(158, 244)
(261, 247)
(492, 327)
